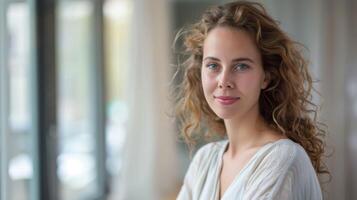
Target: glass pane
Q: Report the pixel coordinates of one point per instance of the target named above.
(77, 170)
(116, 22)
(20, 169)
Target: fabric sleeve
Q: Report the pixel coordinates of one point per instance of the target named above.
(286, 173)
(190, 177)
(300, 183)
(285, 191)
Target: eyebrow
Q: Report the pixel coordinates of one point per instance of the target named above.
(234, 60)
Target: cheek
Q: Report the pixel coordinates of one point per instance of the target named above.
(250, 85)
(208, 82)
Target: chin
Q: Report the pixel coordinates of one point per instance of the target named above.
(226, 115)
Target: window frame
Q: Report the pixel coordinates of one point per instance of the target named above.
(99, 96)
(3, 104)
(43, 99)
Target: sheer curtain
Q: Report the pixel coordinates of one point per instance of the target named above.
(150, 159)
(351, 102)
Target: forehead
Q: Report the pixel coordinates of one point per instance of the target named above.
(226, 42)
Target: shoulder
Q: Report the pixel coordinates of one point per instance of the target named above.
(283, 167)
(209, 151)
(289, 160)
(285, 152)
(205, 156)
(213, 146)
(291, 154)
(298, 174)
(283, 156)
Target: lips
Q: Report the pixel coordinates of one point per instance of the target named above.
(226, 100)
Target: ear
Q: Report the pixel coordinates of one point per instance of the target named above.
(266, 80)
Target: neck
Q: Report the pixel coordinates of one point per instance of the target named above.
(245, 132)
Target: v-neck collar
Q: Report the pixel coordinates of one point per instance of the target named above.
(219, 169)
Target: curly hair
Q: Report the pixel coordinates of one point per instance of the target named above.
(286, 104)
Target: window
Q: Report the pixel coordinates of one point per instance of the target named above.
(88, 61)
(76, 160)
(17, 161)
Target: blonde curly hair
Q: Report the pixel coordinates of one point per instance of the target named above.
(286, 104)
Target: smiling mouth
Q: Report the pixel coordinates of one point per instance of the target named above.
(226, 100)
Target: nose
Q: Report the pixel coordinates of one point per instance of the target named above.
(225, 85)
(225, 81)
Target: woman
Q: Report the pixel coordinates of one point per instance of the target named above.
(245, 80)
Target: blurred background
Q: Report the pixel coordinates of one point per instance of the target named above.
(85, 85)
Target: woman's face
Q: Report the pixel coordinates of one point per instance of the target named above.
(232, 73)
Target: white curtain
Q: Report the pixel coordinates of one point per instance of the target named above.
(150, 152)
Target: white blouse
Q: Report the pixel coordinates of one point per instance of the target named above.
(278, 170)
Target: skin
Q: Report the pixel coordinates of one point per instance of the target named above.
(232, 66)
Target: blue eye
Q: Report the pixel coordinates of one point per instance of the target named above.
(241, 67)
(212, 66)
